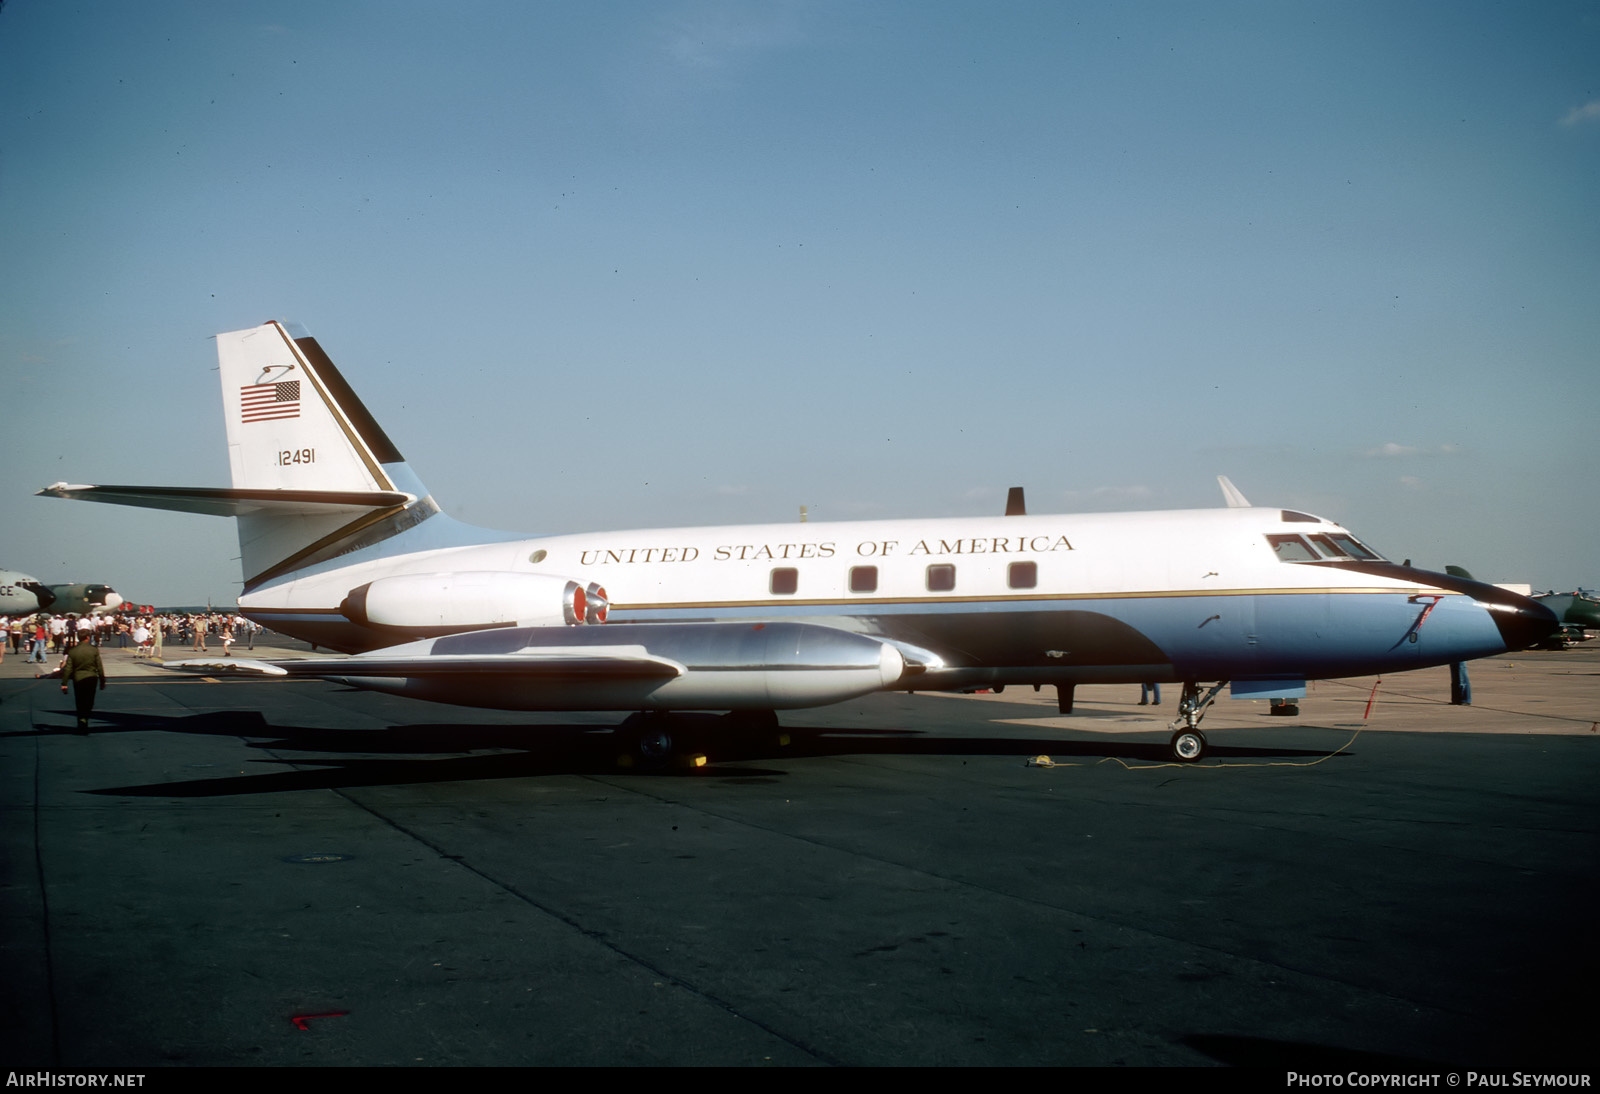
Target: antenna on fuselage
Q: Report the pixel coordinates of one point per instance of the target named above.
(1015, 506)
(1231, 495)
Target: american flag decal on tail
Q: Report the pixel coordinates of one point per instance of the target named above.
(264, 402)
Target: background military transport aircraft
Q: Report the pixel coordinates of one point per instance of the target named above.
(21, 594)
(344, 547)
(24, 595)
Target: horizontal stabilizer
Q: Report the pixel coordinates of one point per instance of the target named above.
(219, 502)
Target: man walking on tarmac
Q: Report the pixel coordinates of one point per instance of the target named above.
(83, 670)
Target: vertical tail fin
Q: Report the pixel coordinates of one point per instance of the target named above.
(295, 426)
(314, 477)
(293, 423)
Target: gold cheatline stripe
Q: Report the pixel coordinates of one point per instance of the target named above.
(1014, 597)
(865, 599)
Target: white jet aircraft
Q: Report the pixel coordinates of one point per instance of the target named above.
(344, 547)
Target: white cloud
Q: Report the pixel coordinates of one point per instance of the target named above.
(1111, 494)
(709, 35)
(1390, 450)
(1588, 112)
(1123, 492)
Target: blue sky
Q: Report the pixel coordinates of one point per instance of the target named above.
(625, 264)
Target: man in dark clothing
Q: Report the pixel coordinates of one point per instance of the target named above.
(83, 670)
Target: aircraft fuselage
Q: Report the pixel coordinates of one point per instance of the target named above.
(1105, 597)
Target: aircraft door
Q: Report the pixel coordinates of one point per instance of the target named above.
(1217, 638)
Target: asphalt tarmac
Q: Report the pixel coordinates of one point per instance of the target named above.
(298, 874)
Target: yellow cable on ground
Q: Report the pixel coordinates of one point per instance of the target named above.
(1046, 761)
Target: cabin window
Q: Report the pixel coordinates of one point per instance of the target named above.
(785, 580)
(1291, 549)
(1022, 575)
(863, 579)
(941, 577)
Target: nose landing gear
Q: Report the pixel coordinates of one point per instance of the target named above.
(1188, 744)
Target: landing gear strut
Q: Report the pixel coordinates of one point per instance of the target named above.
(1188, 744)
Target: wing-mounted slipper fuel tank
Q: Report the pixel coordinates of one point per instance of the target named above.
(622, 666)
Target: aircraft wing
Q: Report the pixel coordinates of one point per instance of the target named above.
(611, 662)
(615, 666)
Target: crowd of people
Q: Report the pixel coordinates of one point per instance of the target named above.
(76, 640)
(146, 633)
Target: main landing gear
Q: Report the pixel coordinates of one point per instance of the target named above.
(1188, 744)
(647, 738)
(654, 740)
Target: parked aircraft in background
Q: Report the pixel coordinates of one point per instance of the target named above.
(1580, 608)
(21, 594)
(79, 599)
(343, 546)
(1578, 613)
(24, 595)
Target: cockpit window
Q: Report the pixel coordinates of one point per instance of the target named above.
(1291, 549)
(1321, 546)
(1342, 546)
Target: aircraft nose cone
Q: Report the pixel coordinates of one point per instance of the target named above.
(1522, 623)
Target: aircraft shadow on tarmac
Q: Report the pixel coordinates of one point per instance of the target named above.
(441, 752)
